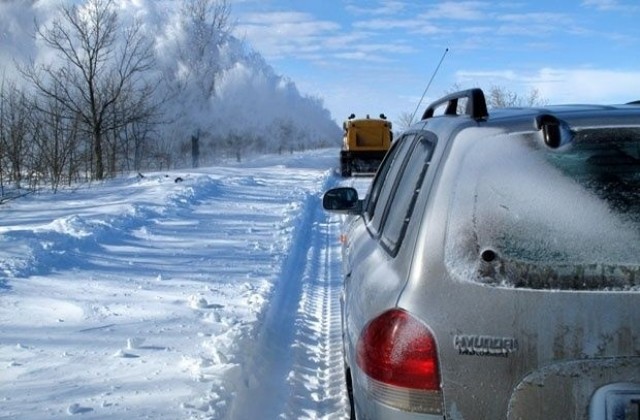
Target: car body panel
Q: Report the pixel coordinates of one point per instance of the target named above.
(511, 343)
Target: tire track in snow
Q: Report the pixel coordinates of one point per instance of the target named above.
(317, 380)
(297, 369)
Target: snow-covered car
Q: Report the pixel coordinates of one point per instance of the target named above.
(493, 269)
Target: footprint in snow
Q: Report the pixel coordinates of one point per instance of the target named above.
(78, 409)
(199, 302)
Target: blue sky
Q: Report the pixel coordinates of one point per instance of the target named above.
(378, 56)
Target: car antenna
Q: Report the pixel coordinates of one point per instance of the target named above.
(429, 84)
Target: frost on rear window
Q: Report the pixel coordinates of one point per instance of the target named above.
(525, 215)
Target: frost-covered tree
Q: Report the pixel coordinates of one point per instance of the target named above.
(207, 28)
(191, 57)
(227, 96)
(120, 85)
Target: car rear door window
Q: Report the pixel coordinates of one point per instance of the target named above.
(384, 182)
(404, 196)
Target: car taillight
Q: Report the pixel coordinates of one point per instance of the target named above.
(399, 359)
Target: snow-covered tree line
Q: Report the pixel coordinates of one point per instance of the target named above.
(100, 87)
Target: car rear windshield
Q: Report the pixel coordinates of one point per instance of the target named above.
(527, 215)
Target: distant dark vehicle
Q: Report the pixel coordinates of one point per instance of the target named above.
(493, 269)
(364, 144)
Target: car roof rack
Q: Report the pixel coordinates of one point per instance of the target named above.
(476, 106)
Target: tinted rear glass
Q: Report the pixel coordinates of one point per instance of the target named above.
(607, 163)
(525, 215)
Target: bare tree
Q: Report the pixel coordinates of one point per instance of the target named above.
(56, 138)
(501, 97)
(14, 133)
(131, 119)
(405, 120)
(102, 65)
(3, 135)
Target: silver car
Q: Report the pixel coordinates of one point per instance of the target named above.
(493, 269)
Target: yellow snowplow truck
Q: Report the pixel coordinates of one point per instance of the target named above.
(364, 145)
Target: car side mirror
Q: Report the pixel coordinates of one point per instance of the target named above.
(342, 200)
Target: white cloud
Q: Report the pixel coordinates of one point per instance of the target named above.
(562, 85)
(398, 24)
(282, 33)
(588, 85)
(536, 18)
(385, 7)
(600, 4)
(465, 77)
(611, 5)
(459, 10)
(359, 56)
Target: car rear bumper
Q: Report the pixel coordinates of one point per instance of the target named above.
(371, 409)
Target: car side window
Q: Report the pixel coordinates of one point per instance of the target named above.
(378, 180)
(383, 183)
(403, 200)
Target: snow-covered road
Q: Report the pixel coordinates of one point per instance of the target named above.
(214, 297)
(296, 367)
